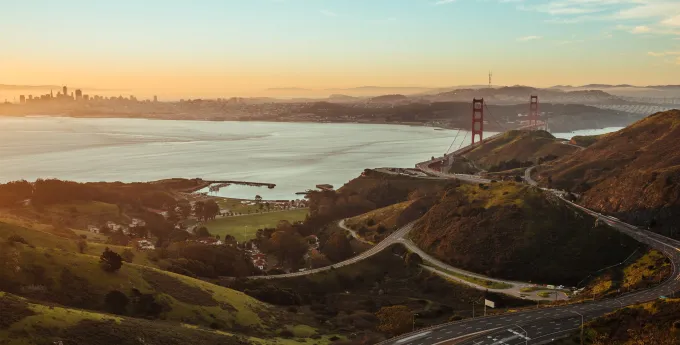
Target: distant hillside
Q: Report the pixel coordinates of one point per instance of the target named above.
(633, 174)
(388, 99)
(520, 94)
(513, 231)
(514, 148)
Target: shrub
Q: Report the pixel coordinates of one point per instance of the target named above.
(110, 261)
(116, 302)
(16, 239)
(128, 255)
(82, 246)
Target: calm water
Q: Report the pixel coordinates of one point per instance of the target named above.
(295, 156)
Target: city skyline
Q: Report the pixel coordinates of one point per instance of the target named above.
(221, 48)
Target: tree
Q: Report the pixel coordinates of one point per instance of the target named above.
(116, 302)
(202, 232)
(82, 246)
(395, 320)
(199, 209)
(184, 209)
(337, 247)
(317, 260)
(413, 259)
(110, 261)
(258, 199)
(288, 246)
(210, 210)
(128, 255)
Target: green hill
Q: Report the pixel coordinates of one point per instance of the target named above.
(641, 160)
(517, 147)
(514, 231)
(25, 322)
(53, 271)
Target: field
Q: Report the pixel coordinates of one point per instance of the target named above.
(245, 227)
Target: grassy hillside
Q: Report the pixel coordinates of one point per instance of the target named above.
(644, 270)
(656, 323)
(27, 322)
(374, 226)
(77, 280)
(514, 231)
(48, 237)
(519, 146)
(641, 160)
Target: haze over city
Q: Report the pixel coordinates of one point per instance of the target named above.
(215, 48)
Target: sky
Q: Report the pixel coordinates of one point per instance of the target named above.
(242, 47)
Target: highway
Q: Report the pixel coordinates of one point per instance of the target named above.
(542, 326)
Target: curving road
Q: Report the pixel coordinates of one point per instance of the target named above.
(391, 239)
(542, 326)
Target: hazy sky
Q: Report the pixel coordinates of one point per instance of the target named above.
(230, 47)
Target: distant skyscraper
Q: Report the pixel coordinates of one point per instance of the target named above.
(22, 99)
(155, 98)
(65, 91)
(79, 94)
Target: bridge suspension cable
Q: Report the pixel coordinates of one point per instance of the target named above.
(494, 118)
(453, 142)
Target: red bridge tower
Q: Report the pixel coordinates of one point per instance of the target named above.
(477, 119)
(533, 111)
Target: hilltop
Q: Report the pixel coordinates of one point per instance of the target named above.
(641, 160)
(518, 148)
(513, 231)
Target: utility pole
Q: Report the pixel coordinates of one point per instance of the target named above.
(526, 335)
(414, 321)
(581, 324)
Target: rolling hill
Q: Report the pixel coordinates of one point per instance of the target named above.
(519, 146)
(52, 272)
(641, 160)
(513, 231)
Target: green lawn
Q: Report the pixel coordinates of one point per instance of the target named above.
(245, 227)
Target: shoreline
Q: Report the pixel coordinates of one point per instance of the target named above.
(490, 127)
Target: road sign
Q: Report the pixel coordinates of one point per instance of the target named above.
(489, 304)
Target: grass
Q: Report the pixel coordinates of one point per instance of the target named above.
(34, 323)
(228, 307)
(245, 227)
(386, 216)
(479, 281)
(46, 239)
